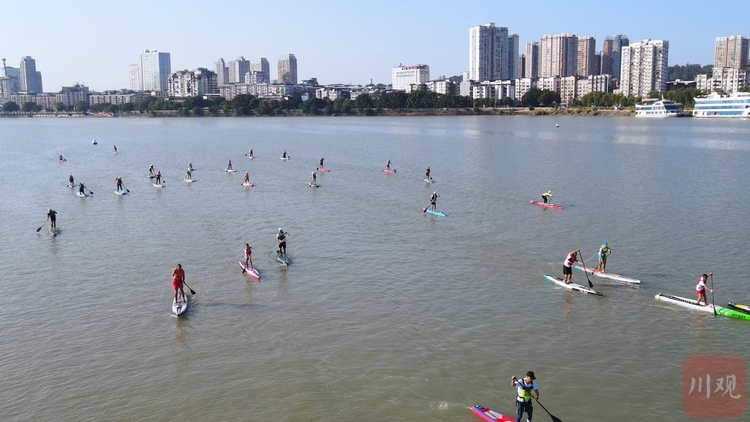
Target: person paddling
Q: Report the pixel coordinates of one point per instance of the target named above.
(81, 189)
(388, 164)
(178, 278)
(188, 175)
(60, 157)
(158, 177)
(281, 241)
(525, 386)
(247, 178)
(314, 179)
(700, 289)
(229, 164)
(251, 153)
(427, 174)
(546, 195)
(151, 172)
(321, 164)
(115, 147)
(283, 155)
(119, 184)
(190, 166)
(52, 216)
(433, 200)
(248, 255)
(569, 261)
(71, 181)
(604, 252)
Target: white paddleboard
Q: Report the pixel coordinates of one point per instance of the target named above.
(179, 307)
(82, 195)
(122, 192)
(158, 185)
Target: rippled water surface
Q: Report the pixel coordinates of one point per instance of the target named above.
(386, 313)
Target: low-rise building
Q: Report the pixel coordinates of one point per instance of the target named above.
(404, 76)
(724, 79)
(117, 97)
(184, 83)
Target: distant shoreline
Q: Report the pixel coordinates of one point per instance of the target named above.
(518, 111)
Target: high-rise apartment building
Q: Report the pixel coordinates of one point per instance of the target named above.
(134, 77)
(611, 55)
(586, 56)
(488, 53)
(238, 69)
(10, 80)
(30, 79)
(521, 66)
(155, 67)
(558, 55)
(222, 72)
(512, 72)
(402, 77)
(732, 52)
(287, 69)
(532, 60)
(644, 68)
(261, 70)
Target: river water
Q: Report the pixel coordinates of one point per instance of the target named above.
(386, 313)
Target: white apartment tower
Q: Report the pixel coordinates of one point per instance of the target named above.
(512, 72)
(134, 77)
(644, 68)
(532, 60)
(488, 53)
(155, 68)
(238, 69)
(732, 52)
(586, 56)
(222, 72)
(287, 69)
(611, 55)
(402, 77)
(558, 55)
(261, 70)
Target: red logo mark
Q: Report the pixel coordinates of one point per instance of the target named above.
(713, 386)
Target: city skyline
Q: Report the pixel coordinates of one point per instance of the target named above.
(364, 44)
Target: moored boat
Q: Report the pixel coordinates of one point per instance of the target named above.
(716, 105)
(652, 107)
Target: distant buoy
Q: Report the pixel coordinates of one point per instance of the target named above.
(93, 142)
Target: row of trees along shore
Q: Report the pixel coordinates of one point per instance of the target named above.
(364, 104)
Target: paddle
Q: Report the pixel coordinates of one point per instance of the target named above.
(84, 186)
(591, 285)
(192, 292)
(126, 188)
(713, 304)
(40, 227)
(277, 245)
(554, 418)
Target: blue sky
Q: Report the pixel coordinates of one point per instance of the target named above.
(93, 42)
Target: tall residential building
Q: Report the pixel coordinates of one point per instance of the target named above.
(598, 64)
(30, 79)
(222, 72)
(261, 69)
(10, 78)
(512, 72)
(731, 52)
(402, 77)
(134, 77)
(155, 68)
(287, 69)
(238, 69)
(611, 55)
(558, 55)
(644, 68)
(184, 83)
(532, 60)
(521, 66)
(488, 53)
(586, 56)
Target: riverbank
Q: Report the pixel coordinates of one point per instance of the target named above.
(485, 111)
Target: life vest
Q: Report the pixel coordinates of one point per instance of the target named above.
(525, 390)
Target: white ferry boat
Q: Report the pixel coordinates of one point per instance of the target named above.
(658, 108)
(717, 105)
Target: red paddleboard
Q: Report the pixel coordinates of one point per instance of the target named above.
(490, 415)
(323, 170)
(252, 272)
(542, 204)
(389, 171)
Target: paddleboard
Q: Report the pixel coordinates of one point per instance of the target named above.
(251, 271)
(571, 286)
(611, 276)
(94, 142)
(159, 185)
(389, 171)
(320, 169)
(283, 260)
(230, 170)
(542, 204)
(52, 231)
(82, 195)
(189, 180)
(739, 307)
(71, 185)
(314, 185)
(690, 304)
(179, 307)
(247, 184)
(250, 157)
(490, 415)
(122, 192)
(428, 180)
(285, 158)
(438, 213)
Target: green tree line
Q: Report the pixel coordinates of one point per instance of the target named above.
(687, 72)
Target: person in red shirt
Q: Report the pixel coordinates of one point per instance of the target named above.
(178, 276)
(248, 255)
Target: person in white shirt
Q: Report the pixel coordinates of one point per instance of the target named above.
(525, 388)
(567, 270)
(700, 289)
